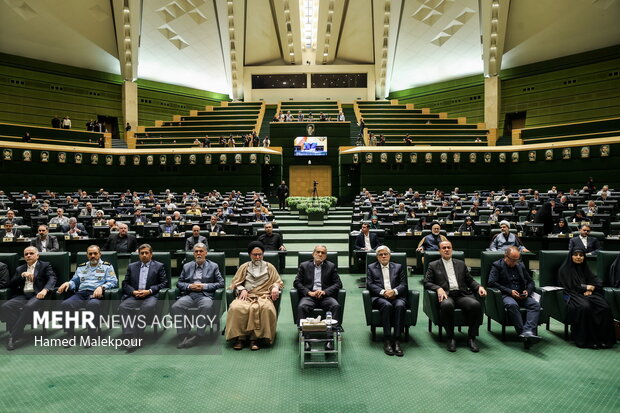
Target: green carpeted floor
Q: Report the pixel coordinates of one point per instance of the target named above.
(553, 376)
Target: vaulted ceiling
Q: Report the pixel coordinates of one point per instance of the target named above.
(206, 44)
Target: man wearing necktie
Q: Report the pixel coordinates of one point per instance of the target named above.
(387, 283)
(141, 285)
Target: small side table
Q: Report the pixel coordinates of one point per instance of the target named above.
(330, 357)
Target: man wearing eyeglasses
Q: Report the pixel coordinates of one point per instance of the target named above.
(387, 283)
(584, 241)
(510, 276)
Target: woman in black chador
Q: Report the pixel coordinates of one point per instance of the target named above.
(588, 312)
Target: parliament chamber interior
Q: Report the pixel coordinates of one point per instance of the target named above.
(194, 194)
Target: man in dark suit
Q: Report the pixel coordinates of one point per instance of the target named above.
(45, 242)
(168, 227)
(4, 275)
(510, 276)
(585, 242)
(10, 216)
(366, 240)
(318, 284)
(9, 231)
(213, 226)
(196, 238)
(121, 242)
(451, 280)
(197, 283)
(75, 229)
(142, 282)
(387, 283)
(31, 283)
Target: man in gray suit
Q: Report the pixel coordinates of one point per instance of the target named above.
(45, 242)
(451, 280)
(197, 283)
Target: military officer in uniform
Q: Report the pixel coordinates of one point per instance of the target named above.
(89, 282)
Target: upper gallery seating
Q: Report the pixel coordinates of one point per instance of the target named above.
(50, 136)
(232, 118)
(313, 108)
(396, 121)
(601, 128)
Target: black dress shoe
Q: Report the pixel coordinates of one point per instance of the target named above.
(329, 346)
(10, 345)
(471, 342)
(130, 348)
(451, 346)
(191, 341)
(397, 350)
(387, 348)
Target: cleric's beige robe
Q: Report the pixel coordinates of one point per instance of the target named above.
(257, 316)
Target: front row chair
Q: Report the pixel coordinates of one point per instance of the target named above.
(494, 305)
(555, 306)
(604, 259)
(220, 259)
(430, 303)
(373, 317)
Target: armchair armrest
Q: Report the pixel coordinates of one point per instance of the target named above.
(367, 305)
(430, 305)
(413, 299)
(113, 294)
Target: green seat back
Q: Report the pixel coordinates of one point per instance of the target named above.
(550, 262)
(604, 259)
(60, 262)
(10, 259)
(486, 259)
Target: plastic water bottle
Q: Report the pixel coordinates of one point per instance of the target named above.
(328, 320)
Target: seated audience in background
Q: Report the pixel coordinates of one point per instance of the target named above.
(252, 315)
(195, 238)
(271, 240)
(122, 241)
(584, 241)
(168, 227)
(10, 216)
(44, 242)
(506, 239)
(60, 220)
(75, 229)
(366, 240)
(431, 241)
(387, 283)
(468, 225)
(510, 276)
(214, 226)
(31, 283)
(545, 216)
(589, 315)
(9, 231)
(561, 227)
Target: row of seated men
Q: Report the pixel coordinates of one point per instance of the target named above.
(98, 214)
(257, 286)
(121, 240)
(368, 241)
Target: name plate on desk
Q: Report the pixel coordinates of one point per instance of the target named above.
(570, 235)
(166, 235)
(213, 234)
(449, 222)
(53, 226)
(519, 234)
(457, 207)
(182, 223)
(7, 239)
(67, 237)
(140, 223)
(562, 235)
(464, 233)
(156, 215)
(417, 233)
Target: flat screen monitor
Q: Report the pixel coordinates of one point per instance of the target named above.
(310, 146)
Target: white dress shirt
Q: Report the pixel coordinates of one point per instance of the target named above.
(449, 266)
